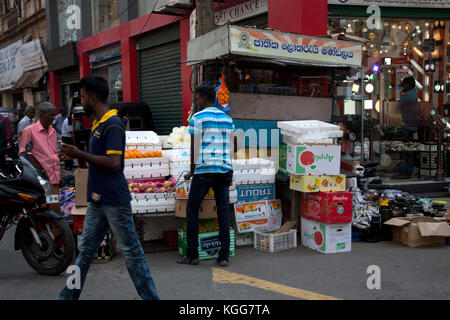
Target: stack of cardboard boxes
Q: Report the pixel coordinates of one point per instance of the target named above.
(107, 249)
(313, 163)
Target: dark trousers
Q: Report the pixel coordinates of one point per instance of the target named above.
(68, 163)
(200, 185)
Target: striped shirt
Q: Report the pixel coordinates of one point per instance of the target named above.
(214, 128)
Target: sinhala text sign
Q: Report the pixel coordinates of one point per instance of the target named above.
(284, 46)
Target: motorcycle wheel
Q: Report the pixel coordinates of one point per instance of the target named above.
(56, 254)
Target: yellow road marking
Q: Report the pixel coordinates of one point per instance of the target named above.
(223, 276)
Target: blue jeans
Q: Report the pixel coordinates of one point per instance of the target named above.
(99, 219)
(200, 185)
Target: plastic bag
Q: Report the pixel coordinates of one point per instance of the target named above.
(223, 96)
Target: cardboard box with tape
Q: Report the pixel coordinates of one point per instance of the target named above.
(419, 231)
(81, 181)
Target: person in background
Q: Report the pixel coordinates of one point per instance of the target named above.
(43, 137)
(409, 92)
(58, 123)
(27, 120)
(212, 134)
(2, 145)
(108, 194)
(67, 138)
(409, 109)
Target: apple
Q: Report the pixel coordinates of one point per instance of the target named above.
(159, 185)
(139, 185)
(149, 190)
(131, 185)
(166, 184)
(163, 190)
(172, 184)
(153, 185)
(136, 190)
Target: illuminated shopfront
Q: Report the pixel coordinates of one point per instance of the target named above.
(397, 48)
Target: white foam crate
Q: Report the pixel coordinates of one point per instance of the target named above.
(249, 177)
(255, 163)
(304, 140)
(155, 205)
(271, 242)
(145, 172)
(142, 138)
(149, 196)
(309, 130)
(160, 162)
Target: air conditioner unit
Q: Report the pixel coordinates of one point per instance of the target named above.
(173, 6)
(180, 3)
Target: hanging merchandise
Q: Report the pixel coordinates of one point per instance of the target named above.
(223, 96)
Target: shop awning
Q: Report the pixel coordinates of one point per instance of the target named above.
(285, 48)
(30, 79)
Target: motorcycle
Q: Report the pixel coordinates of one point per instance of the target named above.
(43, 235)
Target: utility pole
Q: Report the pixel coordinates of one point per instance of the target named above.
(205, 16)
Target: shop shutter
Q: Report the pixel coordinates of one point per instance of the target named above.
(160, 85)
(261, 21)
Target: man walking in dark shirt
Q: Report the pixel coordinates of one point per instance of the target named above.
(108, 194)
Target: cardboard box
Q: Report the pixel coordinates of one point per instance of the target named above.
(204, 225)
(326, 238)
(250, 211)
(317, 159)
(208, 209)
(257, 192)
(315, 183)
(208, 244)
(328, 207)
(419, 231)
(253, 225)
(275, 214)
(81, 181)
(283, 160)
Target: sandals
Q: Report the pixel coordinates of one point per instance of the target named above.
(186, 260)
(223, 263)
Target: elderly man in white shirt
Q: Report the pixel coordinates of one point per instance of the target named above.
(27, 120)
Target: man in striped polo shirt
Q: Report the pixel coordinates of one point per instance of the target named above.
(212, 133)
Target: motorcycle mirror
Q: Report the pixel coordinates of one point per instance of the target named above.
(28, 146)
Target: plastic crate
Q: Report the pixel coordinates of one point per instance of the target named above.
(271, 242)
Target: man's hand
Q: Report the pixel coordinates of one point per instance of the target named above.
(69, 152)
(188, 176)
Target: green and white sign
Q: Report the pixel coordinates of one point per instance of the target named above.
(313, 159)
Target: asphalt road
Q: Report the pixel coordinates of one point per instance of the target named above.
(406, 273)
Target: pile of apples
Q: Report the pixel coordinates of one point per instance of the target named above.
(153, 187)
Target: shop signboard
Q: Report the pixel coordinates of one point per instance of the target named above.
(10, 65)
(292, 47)
(395, 3)
(242, 11)
(32, 56)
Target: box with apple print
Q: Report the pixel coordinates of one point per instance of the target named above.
(326, 237)
(316, 159)
(328, 207)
